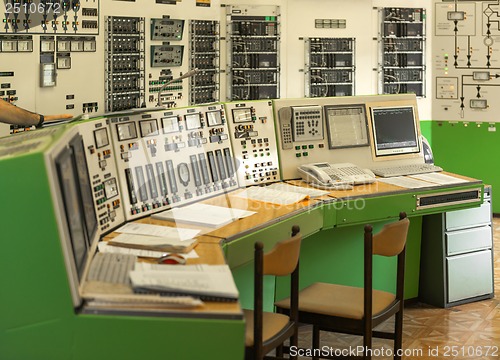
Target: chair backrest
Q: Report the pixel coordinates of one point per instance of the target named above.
(390, 241)
(282, 259)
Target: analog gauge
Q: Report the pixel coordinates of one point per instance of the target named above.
(183, 171)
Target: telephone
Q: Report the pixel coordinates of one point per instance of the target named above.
(325, 175)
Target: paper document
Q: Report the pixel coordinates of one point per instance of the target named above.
(158, 243)
(405, 182)
(272, 196)
(209, 282)
(439, 178)
(158, 230)
(298, 189)
(105, 247)
(203, 214)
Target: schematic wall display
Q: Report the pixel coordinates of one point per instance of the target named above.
(46, 16)
(466, 60)
(170, 124)
(148, 127)
(126, 131)
(101, 138)
(214, 118)
(242, 115)
(193, 121)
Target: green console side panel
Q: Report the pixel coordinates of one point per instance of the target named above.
(35, 304)
(469, 149)
(126, 337)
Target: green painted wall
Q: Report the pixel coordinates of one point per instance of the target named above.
(469, 149)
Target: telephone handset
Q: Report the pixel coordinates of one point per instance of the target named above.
(343, 175)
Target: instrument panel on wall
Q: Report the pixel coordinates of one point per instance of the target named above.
(402, 40)
(330, 67)
(253, 38)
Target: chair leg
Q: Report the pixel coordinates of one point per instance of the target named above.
(279, 351)
(315, 341)
(367, 343)
(294, 341)
(398, 334)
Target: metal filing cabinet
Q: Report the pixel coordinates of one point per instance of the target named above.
(457, 256)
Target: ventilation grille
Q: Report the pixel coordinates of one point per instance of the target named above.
(448, 198)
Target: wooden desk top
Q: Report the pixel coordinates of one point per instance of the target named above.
(210, 239)
(266, 213)
(378, 188)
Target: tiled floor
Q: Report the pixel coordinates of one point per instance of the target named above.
(470, 331)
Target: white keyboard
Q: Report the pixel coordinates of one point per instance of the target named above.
(406, 170)
(111, 268)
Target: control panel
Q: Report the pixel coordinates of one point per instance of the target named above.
(170, 157)
(331, 130)
(166, 55)
(253, 136)
(103, 176)
(166, 29)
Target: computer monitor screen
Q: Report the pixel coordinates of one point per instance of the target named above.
(346, 126)
(394, 130)
(73, 209)
(85, 189)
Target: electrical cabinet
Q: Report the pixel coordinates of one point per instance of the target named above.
(253, 52)
(457, 256)
(402, 51)
(330, 67)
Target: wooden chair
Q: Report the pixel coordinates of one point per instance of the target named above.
(342, 309)
(266, 331)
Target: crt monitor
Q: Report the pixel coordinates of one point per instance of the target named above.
(395, 131)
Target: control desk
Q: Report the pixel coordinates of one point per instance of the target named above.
(76, 187)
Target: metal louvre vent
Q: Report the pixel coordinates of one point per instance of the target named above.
(448, 198)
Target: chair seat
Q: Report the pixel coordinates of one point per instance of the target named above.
(338, 300)
(272, 324)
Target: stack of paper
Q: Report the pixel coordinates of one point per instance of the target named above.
(273, 196)
(312, 193)
(155, 237)
(207, 282)
(203, 214)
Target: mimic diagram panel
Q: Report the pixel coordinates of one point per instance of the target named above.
(330, 67)
(167, 158)
(466, 58)
(253, 38)
(402, 40)
(103, 177)
(251, 125)
(50, 17)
